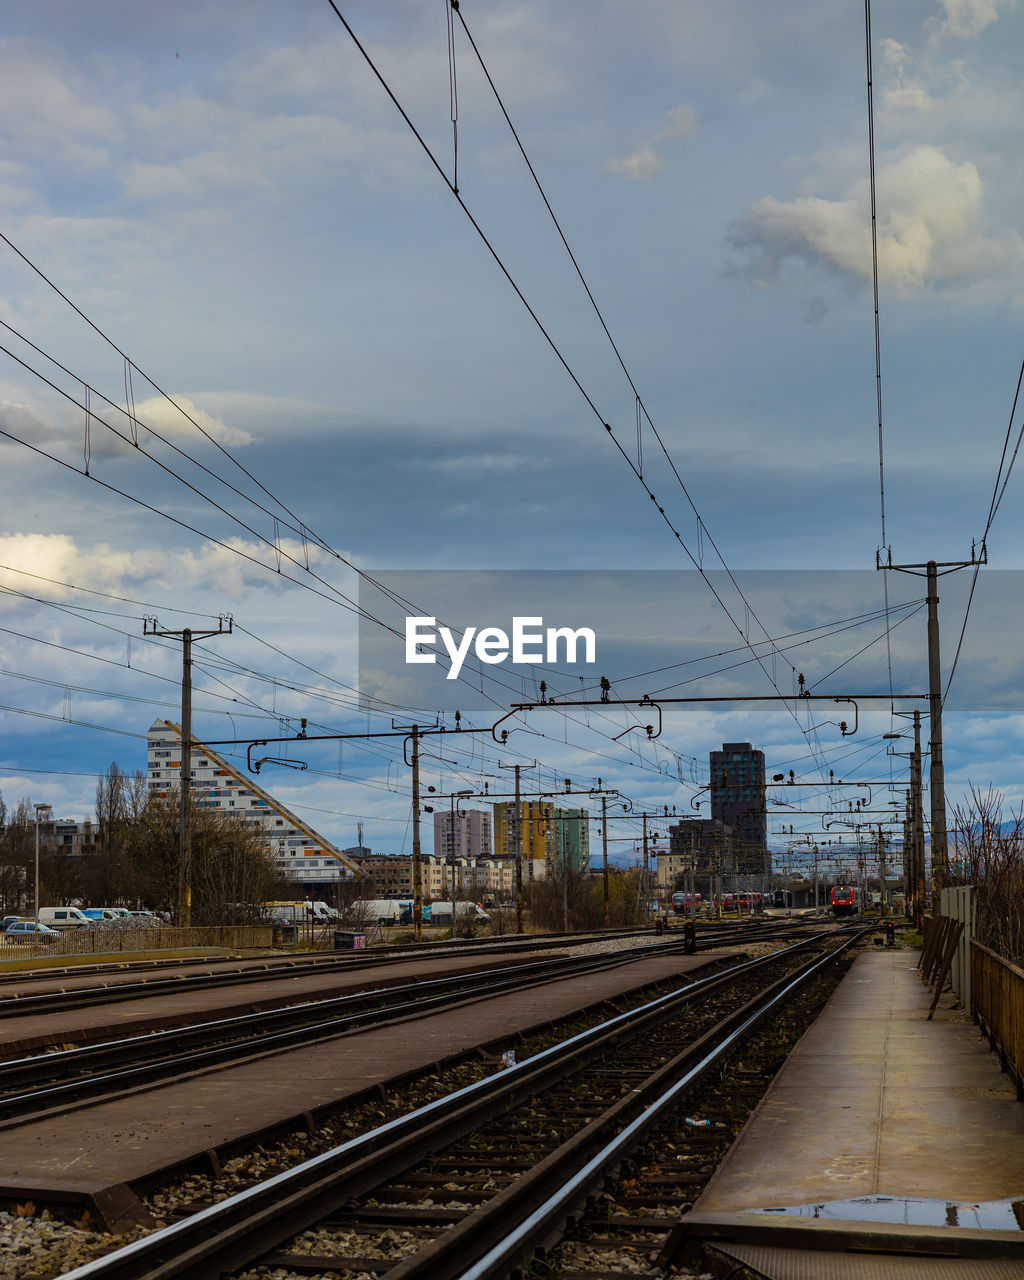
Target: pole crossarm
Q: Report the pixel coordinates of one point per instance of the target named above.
(646, 701)
(302, 736)
(527, 795)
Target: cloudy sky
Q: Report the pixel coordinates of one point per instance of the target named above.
(254, 345)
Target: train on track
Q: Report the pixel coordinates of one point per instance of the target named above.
(743, 901)
(845, 900)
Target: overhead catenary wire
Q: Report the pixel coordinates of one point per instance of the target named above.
(642, 412)
(998, 492)
(130, 400)
(133, 420)
(878, 338)
(556, 349)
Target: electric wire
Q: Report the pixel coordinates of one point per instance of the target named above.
(878, 341)
(551, 342)
(997, 498)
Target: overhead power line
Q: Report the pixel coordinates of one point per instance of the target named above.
(559, 355)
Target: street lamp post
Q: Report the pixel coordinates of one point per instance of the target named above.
(41, 810)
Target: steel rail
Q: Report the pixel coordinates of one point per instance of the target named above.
(145, 1065)
(244, 1226)
(109, 993)
(567, 1189)
(66, 998)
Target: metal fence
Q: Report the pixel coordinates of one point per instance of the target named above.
(998, 1008)
(957, 903)
(101, 941)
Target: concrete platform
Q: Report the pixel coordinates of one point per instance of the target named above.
(23, 1033)
(94, 1155)
(883, 1131)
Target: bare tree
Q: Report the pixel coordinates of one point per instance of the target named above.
(60, 878)
(108, 876)
(17, 854)
(503, 919)
(585, 898)
(988, 852)
(233, 873)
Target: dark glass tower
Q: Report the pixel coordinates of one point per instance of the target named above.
(737, 799)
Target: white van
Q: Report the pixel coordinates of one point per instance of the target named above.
(441, 913)
(103, 915)
(301, 912)
(64, 918)
(388, 911)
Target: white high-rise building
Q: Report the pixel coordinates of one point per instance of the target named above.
(299, 851)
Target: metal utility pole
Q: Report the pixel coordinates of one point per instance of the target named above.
(917, 823)
(882, 904)
(643, 878)
(519, 857)
(417, 859)
(604, 858)
(693, 878)
(41, 811)
(149, 628)
(518, 828)
(565, 873)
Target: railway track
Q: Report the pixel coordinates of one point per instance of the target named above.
(119, 988)
(84, 1075)
(477, 1182)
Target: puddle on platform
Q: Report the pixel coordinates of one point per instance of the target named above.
(992, 1215)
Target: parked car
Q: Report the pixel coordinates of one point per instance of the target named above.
(29, 931)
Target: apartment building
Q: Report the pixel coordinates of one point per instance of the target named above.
(301, 854)
(464, 834)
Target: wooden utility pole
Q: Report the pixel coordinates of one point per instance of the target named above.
(936, 772)
(937, 775)
(149, 628)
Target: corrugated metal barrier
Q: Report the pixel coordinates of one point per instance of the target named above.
(958, 904)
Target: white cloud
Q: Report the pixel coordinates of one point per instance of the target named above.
(645, 162)
(930, 228)
(24, 422)
(642, 164)
(56, 556)
(173, 420)
(43, 109)
(227, 570)
(966, 18)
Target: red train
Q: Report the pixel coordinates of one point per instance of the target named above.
(845, 900)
